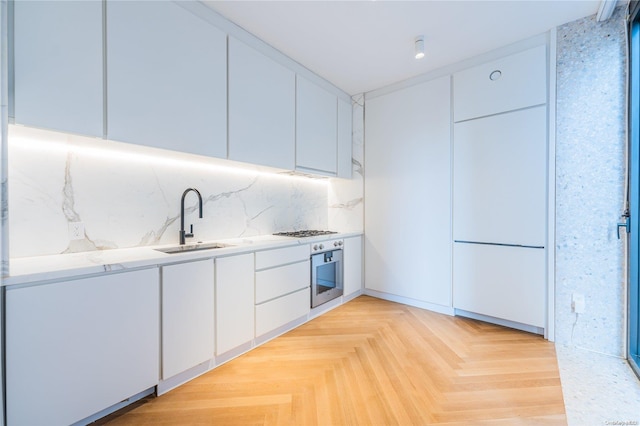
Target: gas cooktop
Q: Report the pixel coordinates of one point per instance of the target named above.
(305, 233)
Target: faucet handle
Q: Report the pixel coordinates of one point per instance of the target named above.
(190, 233)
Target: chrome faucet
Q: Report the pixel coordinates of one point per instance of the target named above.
(183, 234)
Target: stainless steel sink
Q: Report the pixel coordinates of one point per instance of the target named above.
(191, 247)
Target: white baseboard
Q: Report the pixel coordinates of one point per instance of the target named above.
(447, 310)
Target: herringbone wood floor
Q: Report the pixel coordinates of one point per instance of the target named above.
(373, 362)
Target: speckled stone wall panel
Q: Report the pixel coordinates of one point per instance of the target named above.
(590, 144)
(4, 115)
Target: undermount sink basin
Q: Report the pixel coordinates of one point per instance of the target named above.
(191, 247)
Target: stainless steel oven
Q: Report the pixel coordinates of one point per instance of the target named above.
(326, 271)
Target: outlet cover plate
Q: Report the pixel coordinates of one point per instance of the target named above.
(76, 231)
(577, 303)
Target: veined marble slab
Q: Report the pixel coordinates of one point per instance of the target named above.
(129, 196)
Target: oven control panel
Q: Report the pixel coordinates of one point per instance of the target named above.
(319, 247)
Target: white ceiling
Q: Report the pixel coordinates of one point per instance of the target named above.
(364, 45)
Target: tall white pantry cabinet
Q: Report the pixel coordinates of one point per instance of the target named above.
(456, 190)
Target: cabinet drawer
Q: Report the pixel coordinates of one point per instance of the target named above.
(271, 258)
(502, 282)
(521, 82)
(278, 312)
(275, 282)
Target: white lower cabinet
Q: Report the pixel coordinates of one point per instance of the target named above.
(502, 282)
(234, 301)
(77, 347)
(282, 287)
(187, 316)
(352, 258)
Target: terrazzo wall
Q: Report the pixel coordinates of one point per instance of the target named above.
(4, 113)
(590, 142)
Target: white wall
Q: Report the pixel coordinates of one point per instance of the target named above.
(589, 183)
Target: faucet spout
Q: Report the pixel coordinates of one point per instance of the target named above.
(183, 234)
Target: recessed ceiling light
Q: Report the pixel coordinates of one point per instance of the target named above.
(419, 47)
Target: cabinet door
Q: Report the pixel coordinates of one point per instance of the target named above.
(261, 108)
(58, 60)
(501, 282)
(234, 301)
(509, 83)
(408, 211)
(316, 128)
(187, 316)
(352, 265)
(344, 139)
(167, 81)
(499, 175)
(77, 347)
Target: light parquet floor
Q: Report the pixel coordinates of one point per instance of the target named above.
(374, 362)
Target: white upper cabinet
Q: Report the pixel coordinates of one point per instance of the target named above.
(166, 78)
(316, 128)
(344, 138)
(500, 172)
(513, 82)
(59, 66)
(262, 96)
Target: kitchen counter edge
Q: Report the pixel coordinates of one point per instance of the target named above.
(60, 267)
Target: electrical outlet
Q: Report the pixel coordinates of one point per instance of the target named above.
(577, 303)
(76, 231)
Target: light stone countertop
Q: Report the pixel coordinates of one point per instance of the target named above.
(27, 270)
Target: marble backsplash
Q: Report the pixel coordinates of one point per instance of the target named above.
(129, 196)
(346, 206)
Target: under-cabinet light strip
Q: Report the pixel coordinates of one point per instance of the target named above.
(22, 138)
